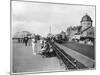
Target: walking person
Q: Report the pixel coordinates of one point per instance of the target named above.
(30, 41)
(25, 40)
(33, 46)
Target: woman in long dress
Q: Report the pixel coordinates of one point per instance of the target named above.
(33, 46)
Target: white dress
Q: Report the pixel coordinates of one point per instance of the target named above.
(33, 47)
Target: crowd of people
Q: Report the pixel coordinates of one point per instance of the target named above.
(45, 49)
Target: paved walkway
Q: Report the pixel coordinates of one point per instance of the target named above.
(88, 62)
(25, 61)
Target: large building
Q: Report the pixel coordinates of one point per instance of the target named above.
(22, 34)
(85, 29)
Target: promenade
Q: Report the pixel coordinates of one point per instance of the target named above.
(25, 61)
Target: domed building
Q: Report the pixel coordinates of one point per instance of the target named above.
(86, 22)
(87, 29)
(84, 32)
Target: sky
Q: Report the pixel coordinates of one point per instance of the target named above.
(38, 17)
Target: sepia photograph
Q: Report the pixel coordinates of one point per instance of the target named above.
(52, 37)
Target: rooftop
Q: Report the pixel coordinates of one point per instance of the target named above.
(86, 18)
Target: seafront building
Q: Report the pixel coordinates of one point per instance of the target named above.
(85, 30)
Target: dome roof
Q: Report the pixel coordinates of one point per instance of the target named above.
(86, 18)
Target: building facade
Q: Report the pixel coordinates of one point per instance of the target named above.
(87, 28)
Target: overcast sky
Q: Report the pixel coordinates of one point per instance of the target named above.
(37, 17)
